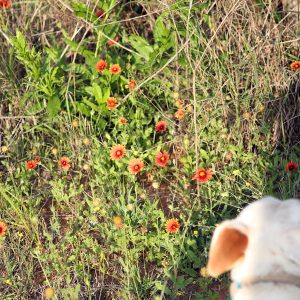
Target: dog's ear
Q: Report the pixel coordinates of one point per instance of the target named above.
(228, 245)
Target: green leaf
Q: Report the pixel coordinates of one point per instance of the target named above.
(20, 40)
(106, 94)
(147, 133)
(162, 287)
(89, 90)
(97, 92)
(179, 283)
(141, 46)
(92, 105)
(100, 95)
(190, 272)
(182, 283)
(203, 154)
(81, 10)
(207, 20)
(34, 108)
(30, 58)
(161, 32)
(53, 106)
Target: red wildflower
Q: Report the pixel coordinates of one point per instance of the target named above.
(135, 166)
(291, 166)
(99, 13)
(172, 226)
(111, 103)
(295, 65)
(64, 163)
(31, 164)
(203, 175)
(4, 3)
(131, 84)
(3, 228)
(115, 69)
(117, 152)
(101, 65)
(123, 120)
(161, 126)
(112, 42)
(162, 158)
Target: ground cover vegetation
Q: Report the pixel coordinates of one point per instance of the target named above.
(129, 130)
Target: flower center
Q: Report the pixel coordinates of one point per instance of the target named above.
(1, 230)
(119, 152)
(64, 163)
(136, 167)
(202, 174)
(162, 158)
(291, 168)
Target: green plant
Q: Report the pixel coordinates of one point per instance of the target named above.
(94, 228)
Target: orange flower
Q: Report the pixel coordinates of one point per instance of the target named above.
(179, 114)
(135, 166)
(190, 108)
(64, 163)
(115, 69)
(31, 165)
(179, 103)
(118, 222)
(295, 65)
(203, 175)
(247, 115)
(161, 126)
(111, 43)
(291, 166)
(162, 158)
(117, 152)
(54, 151)
(101, 65)
(123, 120)
(111, 103)
(4, 3)
(172, 226)
(3, 228)
(49, 293)
(131, 84)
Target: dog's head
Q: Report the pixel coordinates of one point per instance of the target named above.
(264, 238)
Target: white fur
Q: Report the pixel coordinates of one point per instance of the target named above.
(273, 230)
(268, 291)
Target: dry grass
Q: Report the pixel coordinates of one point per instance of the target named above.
(231, 66)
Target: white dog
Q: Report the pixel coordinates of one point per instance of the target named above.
(261, 247)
